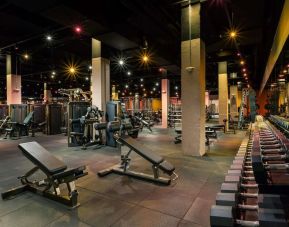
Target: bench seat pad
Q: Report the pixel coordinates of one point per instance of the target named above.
(143, 151)
(42, 158)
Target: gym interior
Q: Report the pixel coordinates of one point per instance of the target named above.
(147, 113)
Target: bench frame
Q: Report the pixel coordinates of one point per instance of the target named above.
(123, 169)
(49, 187)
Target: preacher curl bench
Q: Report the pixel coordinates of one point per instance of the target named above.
(56, 174)
(158, 162)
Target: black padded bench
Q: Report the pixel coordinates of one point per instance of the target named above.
(56, 171)
(158, 163)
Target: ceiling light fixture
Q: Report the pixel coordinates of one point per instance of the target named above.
(121, 62)
(233, 34)
(26, 56)
(77, 29)
(49, 38)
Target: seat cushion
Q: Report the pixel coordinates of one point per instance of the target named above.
(42, 158)
(143, 151)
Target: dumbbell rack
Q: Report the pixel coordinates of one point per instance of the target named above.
(175, 115)
(241, 201)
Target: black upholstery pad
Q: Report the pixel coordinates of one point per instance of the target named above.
(42, 158)
(167, 167)
(143, 151)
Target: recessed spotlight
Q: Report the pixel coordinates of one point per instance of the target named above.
(49, 38)
(72, 70)
(77, 29)
(121, 62)
(128, 73)
(26, 56)
(145, 58)
(233, 34)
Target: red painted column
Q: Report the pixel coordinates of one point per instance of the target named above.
(13, 81)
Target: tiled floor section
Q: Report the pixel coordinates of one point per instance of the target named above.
(118, 200)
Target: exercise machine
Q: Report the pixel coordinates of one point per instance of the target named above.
(56, 173)
(4, 123)
(22, 129)
(158, 163)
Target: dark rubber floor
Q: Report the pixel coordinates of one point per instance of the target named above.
(118, 200)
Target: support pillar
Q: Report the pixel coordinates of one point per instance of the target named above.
(46, 94)
(282, 95)
(114, 93)
(287, 95)
(223, 92)
(100, 77)
(207, 99)
(233, 102)
(193, 82)
(165, 101)
(136, 102)
(13, 81)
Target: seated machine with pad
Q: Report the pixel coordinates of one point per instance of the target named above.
(158, 162)
(56, 173)
(21, 128)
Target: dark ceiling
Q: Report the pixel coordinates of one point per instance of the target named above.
(123, 26)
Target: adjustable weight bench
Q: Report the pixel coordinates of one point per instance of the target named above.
(148, 125)
(56, 173)
(158, 163)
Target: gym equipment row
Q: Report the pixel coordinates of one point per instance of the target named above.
(58, 174)
(253, 193)
(87, 126)
(22, 118)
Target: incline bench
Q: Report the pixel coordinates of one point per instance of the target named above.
(158, 162)
(56, 172)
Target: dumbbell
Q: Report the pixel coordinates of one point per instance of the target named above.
(275, 157)
(271, 146)
(242, 161)
(236, 187)
(236, 200)
(269, 142)
(273, 151)
(226, 216)
(239, 172)
(241, 166)
(236, 179)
